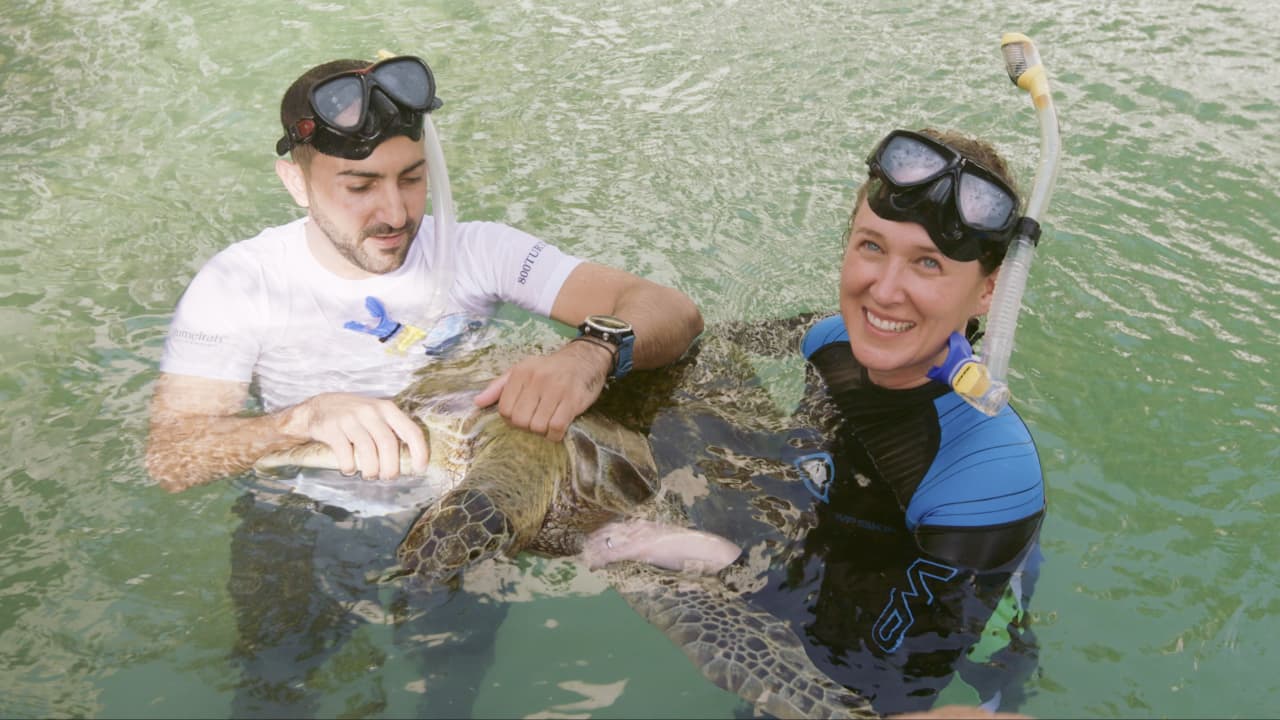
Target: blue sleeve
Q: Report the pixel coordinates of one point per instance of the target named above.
(987, 471)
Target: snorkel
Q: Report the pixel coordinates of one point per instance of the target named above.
(982, 381)
(441, 216)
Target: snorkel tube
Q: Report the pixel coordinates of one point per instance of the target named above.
(989, 391)
(441, 216)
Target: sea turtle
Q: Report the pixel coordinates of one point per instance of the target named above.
(506, 491)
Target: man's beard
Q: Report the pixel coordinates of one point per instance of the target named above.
(377, 262)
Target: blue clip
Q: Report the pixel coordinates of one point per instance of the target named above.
(817, 471)
(385, 328)
(959, 352)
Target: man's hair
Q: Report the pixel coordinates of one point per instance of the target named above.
(972, 148)
(296, 103)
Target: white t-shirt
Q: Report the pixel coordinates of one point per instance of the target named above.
(265, 311)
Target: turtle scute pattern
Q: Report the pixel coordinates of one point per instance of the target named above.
(463, 531)
(518, 491)
(737, 646)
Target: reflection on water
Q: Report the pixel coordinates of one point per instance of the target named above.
(710, 145)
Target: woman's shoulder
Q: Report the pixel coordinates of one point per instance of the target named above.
(823, 332)
(987, 470)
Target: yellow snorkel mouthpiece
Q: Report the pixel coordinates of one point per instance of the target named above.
(971, 379)
(961, 370)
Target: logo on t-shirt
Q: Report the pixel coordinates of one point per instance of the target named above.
(199, 338)
(527, 266)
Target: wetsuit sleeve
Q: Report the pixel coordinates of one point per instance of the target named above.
(1006, 654)
(946, 619)
(980, 548)
(981, 501)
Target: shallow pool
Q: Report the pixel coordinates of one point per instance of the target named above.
(712, 145)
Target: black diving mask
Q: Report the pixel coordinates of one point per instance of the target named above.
(354, 111)
(967, 209)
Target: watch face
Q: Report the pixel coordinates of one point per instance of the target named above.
(608, 322)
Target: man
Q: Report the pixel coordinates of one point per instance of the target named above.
(328, 316)
(365, 219)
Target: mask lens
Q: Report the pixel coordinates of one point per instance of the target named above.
(340, 102)
(406, 81)
(983, 204)
(906, 161)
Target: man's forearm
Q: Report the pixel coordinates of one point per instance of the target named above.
(665, 321)
(185, 451)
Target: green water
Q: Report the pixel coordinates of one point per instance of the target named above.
(709, 145)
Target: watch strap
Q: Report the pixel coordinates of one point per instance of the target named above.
(619, 341)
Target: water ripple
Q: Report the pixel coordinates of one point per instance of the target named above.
(715, 145)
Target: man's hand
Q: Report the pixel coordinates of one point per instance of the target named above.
(544, 393)
(364, 433)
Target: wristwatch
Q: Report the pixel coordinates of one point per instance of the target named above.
(617, 333)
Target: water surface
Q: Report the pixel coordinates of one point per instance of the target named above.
(714, 146)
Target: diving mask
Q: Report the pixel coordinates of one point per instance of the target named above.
(967, 209)
(354, 111)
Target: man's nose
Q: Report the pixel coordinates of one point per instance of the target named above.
(392, 208)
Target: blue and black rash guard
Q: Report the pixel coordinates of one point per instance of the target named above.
(927, 526)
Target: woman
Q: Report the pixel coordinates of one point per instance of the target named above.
(928, 510)
(929, 507)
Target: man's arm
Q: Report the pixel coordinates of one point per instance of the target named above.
(665, 320)
(199, 434)
(545, 393)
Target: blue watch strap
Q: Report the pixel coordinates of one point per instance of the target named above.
(622, 361)
(617, 334)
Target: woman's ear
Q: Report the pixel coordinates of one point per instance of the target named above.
(988, 292)
(290, 173)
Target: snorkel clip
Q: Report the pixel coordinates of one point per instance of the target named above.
(963, 372)
(1029, 228)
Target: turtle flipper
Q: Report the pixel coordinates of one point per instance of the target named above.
(738, 647)
(498, 507)
(315, 455)
(461, 528)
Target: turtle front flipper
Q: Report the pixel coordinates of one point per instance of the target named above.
(314, 455)
(737, 646)
(461, 528)
(498, 507)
